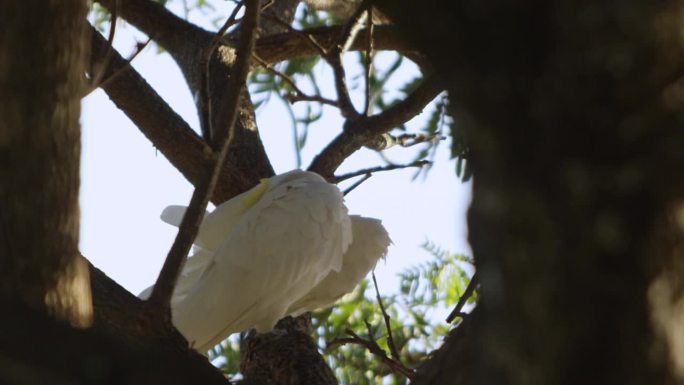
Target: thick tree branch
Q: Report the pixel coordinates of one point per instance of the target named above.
(359, 131)
(204, 104)
(89, 356)
(290, 45)
(164, 127)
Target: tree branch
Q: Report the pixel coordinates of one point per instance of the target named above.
(89, 356)
(176, 35)
(163, 126)
(367, 171)
(297, 95)
(290, 45)
(386, 318)
(204, 105)
(359, 131)
(386, 140)
(166, 282)
(464, 298)
(374, 349)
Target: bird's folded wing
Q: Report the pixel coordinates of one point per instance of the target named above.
(370, 243)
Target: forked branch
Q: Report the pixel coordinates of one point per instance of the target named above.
(358, 132)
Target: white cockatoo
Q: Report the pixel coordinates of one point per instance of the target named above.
(284, 247)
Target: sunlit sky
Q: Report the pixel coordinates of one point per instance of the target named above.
(126, 182)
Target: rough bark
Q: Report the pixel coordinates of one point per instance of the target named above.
(572, 111)
(284, 358)
(187, 45)
(39, 158)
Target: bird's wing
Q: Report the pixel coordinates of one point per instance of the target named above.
(284, 244)
(173, 214)
(218, 223)
(370, 243)
(192, 271)
(225, 217)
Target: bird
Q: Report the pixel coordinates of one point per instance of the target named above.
(284, 247)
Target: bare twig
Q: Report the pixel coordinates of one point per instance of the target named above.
(138, 49)
(386, 317)
(370, 171)
(462, 301)
(375, 349)
(297, 95)
(357, 183)
(369, 60)
(334, 58)
(96, 79)
(267, 5)
(205, 98)
(166, 282)
(351, 29)
(346, 106)
(99, 80)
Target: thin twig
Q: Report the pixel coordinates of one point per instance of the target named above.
(351, 29)
(205, 97)
(357, 184)
(166, 281)
(266, 5)
(370, 171)
(138, 49)
(386, 317)
(345, 104)
(334, 59)
(96, 79)
(369, 60)
(297, 95)
(347, 36)
(464, 298)
(374, 349)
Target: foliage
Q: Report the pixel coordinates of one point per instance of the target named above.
(417, 312)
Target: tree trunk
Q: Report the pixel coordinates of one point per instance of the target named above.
(42, 62)
(573, 115)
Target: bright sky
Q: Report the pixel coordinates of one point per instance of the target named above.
(126, 183)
